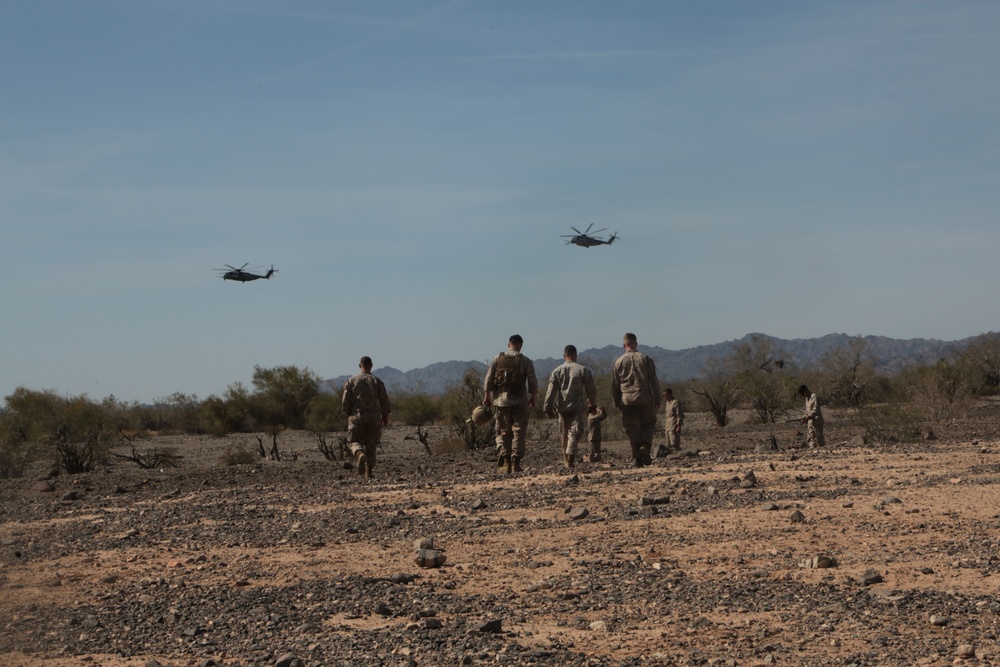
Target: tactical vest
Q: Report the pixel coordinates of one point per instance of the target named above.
(510, 375)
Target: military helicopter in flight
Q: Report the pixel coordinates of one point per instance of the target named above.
(586, 238)
(232, 273)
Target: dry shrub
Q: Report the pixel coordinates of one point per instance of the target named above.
(450, 445)
(889, 422)
(236, 456)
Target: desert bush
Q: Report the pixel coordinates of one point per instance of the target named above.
(325, 413)
(848, 374)
(155, 457)
(416, 409)
(763, 378)
(894, 421)
(236, 456)
(457, 405)
(450, 445)
(73, 430)
(941, 391)
(16, 450)
(178, 413)
(717, 389)
(981, 361)
(283, 394)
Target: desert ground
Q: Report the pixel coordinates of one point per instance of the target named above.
(692, 561)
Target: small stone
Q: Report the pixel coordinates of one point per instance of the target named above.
(430, 558)
(966, 651)
(770, 507)
(579, 513)
(382, 609)
(480, 504)
(288, 660)
(847, 505)
(926, 570)
(939, 620)
(599, 626)
(857, 441)
(402, 578)
(423, 543)
(870, 577)
(797, 517)
(72, 495)
(43, 486)
(432, 623)
(574, 479)
(493, 627)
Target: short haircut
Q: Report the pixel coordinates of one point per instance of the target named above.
(366, 362)
(668, 390)
(803, 389)
(516, 340)
(569, 351)
(630, 339)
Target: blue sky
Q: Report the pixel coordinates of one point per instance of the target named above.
(791, 168)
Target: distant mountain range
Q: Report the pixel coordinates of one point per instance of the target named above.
(890, 355)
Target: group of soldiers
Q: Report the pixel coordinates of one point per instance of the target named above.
(510, 388)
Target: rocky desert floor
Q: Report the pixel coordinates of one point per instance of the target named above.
(693, 561)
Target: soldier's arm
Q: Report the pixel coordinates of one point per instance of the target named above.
(590, 387)
(346, 399)
(532, 383)
(488, 382)
(654, 382)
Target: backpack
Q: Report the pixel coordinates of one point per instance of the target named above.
(510, 375)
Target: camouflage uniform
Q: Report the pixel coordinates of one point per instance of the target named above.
(571, 391)
(366, 405)
(636, 392)
(674, 421)
(505, 383)
(594, 435)
(814, 422)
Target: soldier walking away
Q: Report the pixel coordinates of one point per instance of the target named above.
(674, 420)
(813, 419)
(570, 394)
(636, 392)
(597, 415)
(511, 388)
(367, 407)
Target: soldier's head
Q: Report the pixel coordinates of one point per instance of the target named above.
(804, 391)
(366, 364)
(515, 342)
(668, 394)
(630, 341)
(569, 353)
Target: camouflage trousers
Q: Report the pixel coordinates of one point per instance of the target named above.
(673, 440)
(512, 429)
(572, 426)
(639, 422)
(814, 433)
(595, 442)
(364, 436)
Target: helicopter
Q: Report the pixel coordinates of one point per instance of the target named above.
(232, 273)
(585, 239)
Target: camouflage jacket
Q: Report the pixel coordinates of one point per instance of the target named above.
(506, 378)
(571, 389)
(365, 398)
(634, 382)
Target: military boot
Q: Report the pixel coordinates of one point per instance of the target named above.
(362, 461)
(644, 455)
(516, 463)
(503, 461)
(568, 460)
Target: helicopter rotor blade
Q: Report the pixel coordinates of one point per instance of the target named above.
(577, 231)
(598, 231)
(588, 229)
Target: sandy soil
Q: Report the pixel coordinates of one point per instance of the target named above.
(206, 564)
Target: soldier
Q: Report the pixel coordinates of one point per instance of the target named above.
(674, 419)
(813, 418)
(367, 407)
(571, 392)
(504, 388)
(597, 415)
(636, 392)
